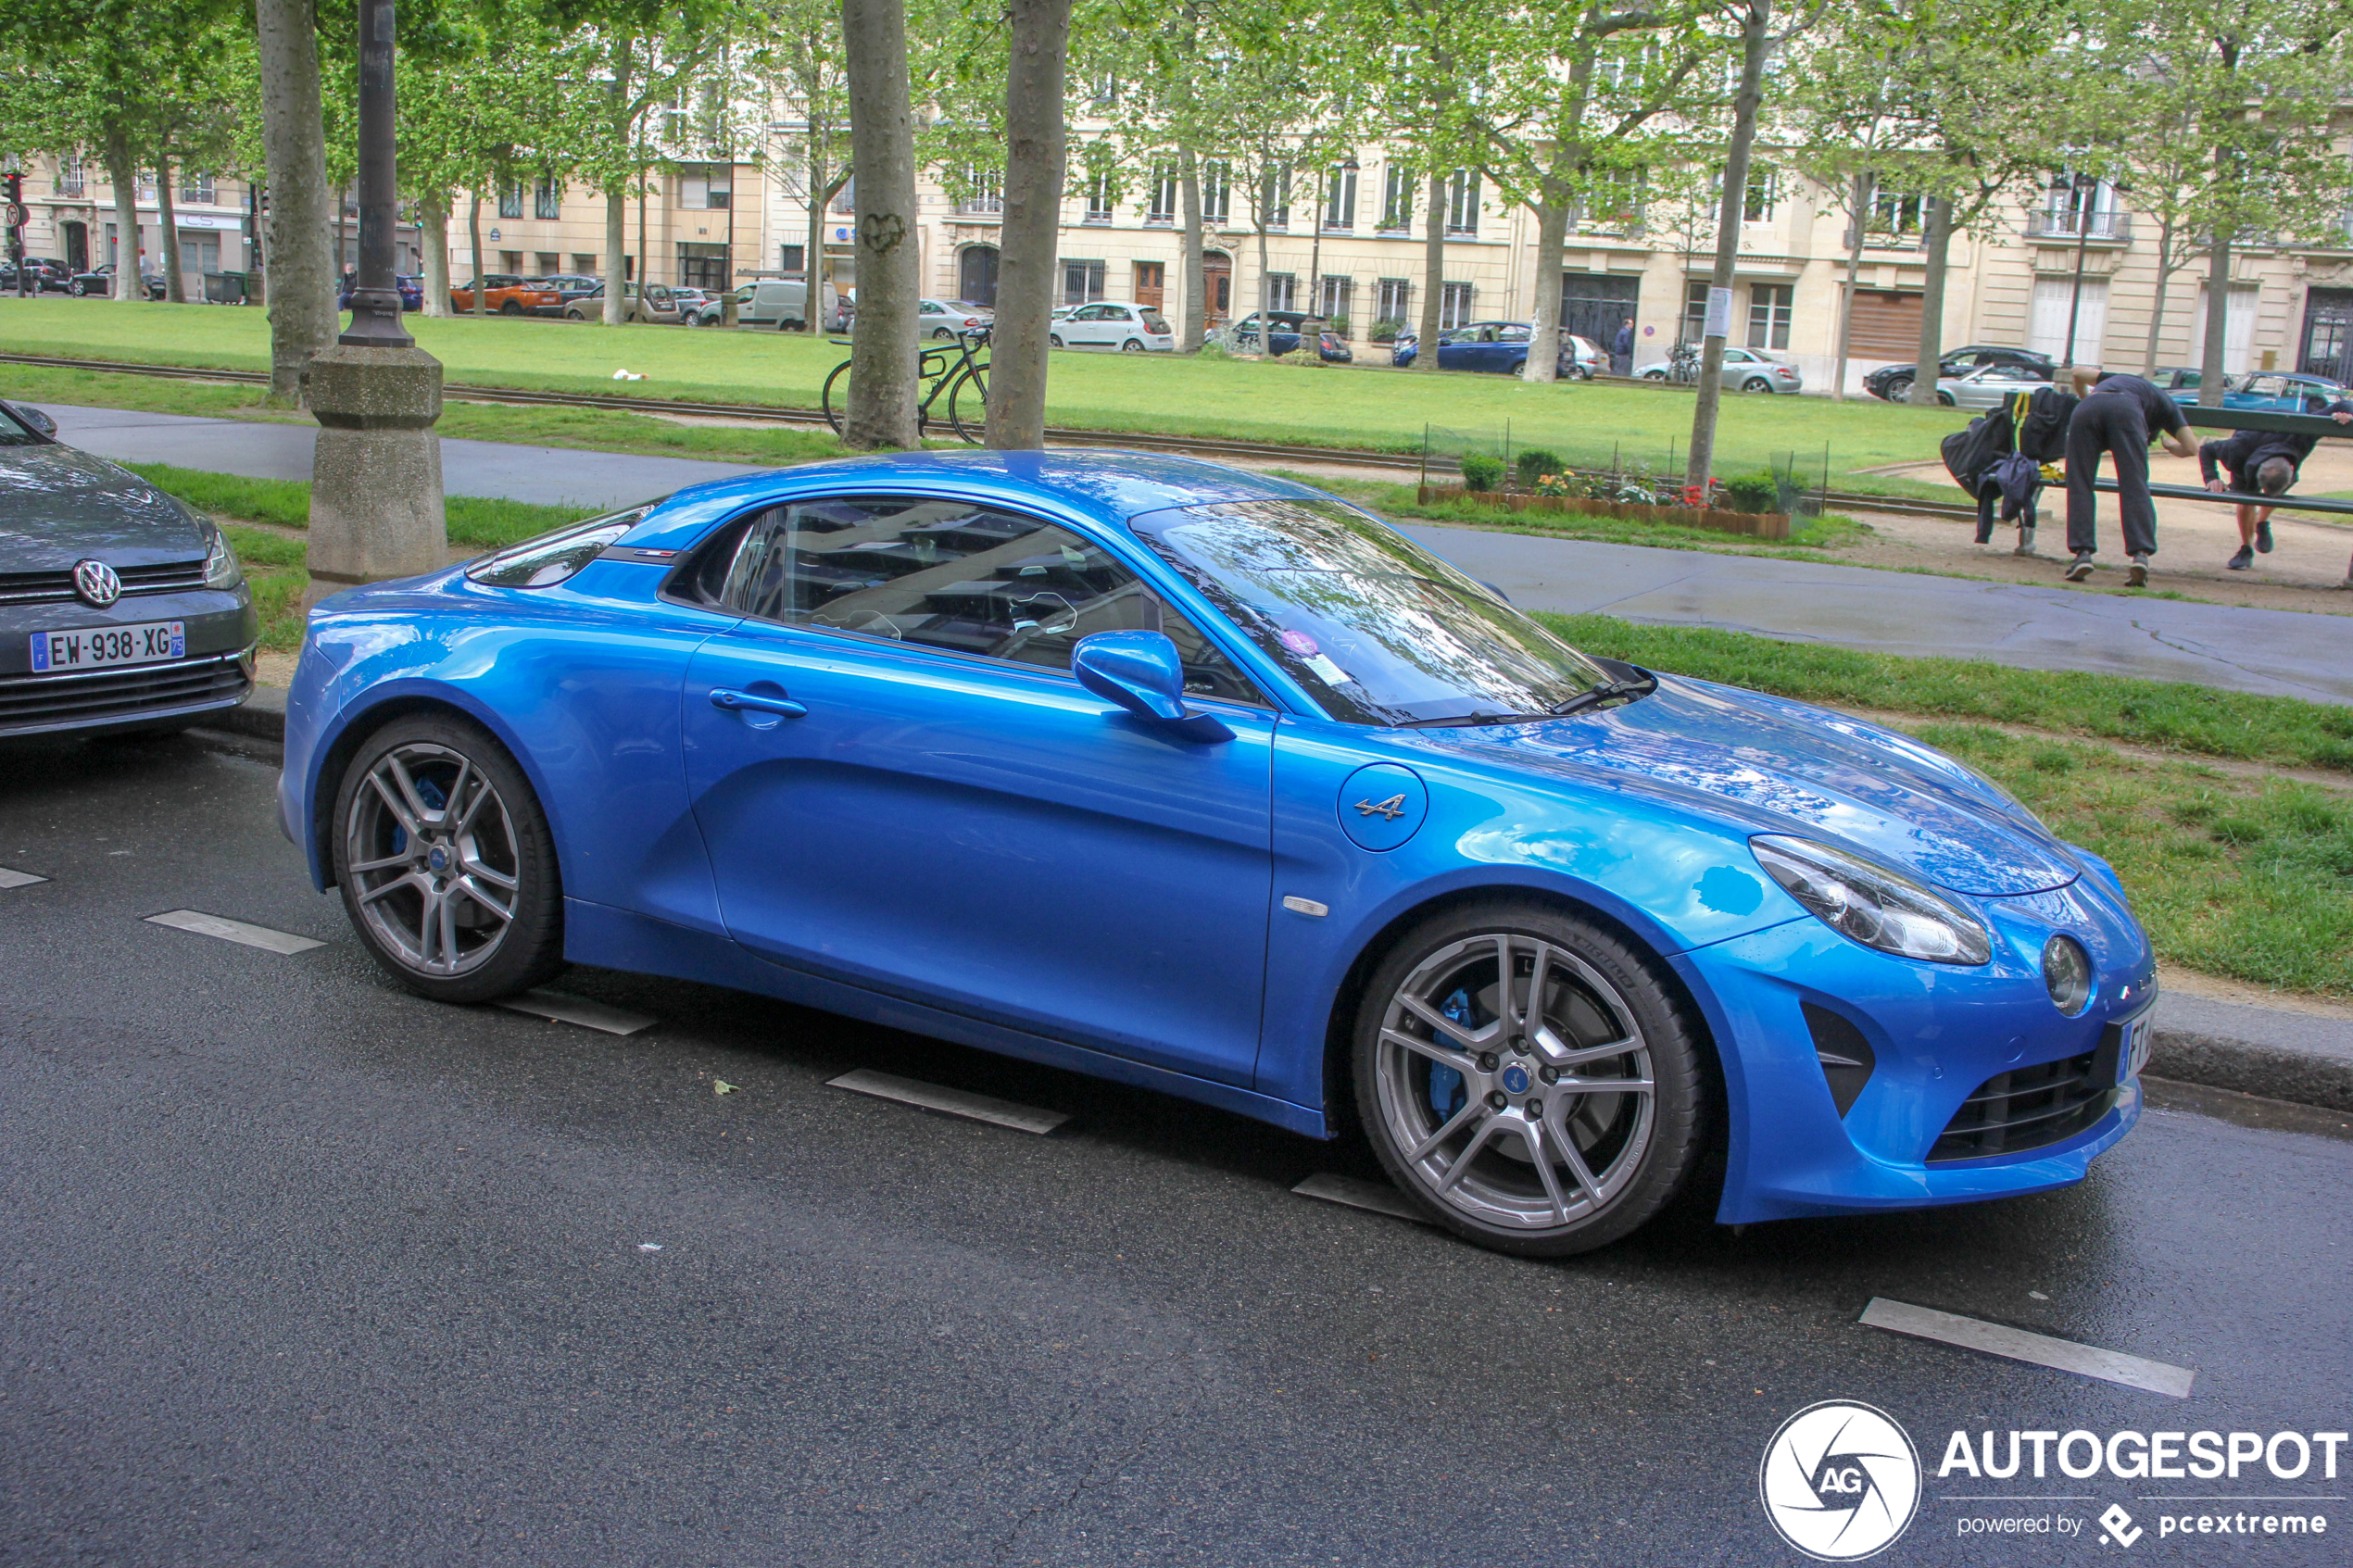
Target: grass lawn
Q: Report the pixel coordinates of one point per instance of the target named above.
(1368, 406)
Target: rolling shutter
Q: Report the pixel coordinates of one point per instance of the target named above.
(1886, 325)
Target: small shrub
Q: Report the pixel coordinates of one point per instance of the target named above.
(1533, 463)
(1387, 328)
(1213, 349)
(1752, 492)
(1337, 325)
(1481, 472)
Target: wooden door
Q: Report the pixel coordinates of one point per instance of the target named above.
(1152, 279)
(1217, 286)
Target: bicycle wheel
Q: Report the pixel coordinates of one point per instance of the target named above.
(968, 403)
(837, 402)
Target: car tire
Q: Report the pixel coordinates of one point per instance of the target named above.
(1551, 1171)
(1898, 391)
(943, 334)
(434, 786)
(1653, 375)
(76, 289)
(1053, 340)
(1133, 346)
(1756, 384)
(1945, 397)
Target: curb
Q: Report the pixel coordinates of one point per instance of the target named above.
(2306, 1068)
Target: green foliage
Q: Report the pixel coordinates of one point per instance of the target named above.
(487, 521)
(1532, 463)
(1481, 472)
(1752, 492)
(1387, 329)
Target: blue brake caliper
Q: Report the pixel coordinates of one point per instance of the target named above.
(430, 793)
(1445, 1083)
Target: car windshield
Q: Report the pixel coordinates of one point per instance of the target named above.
(1376, 628)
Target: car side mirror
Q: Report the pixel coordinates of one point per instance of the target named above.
(1141, 672)
(35, 418)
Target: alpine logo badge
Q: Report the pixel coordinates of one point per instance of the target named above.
(1840, 1481)
(95, 582)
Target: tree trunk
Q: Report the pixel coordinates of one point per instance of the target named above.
(1754, 43)
(1036, 152)
(822, 191)
(1193, 328)
(616, 252)
(1939, 241)
(882, 161)
(168, 230)
(474, 234)
(344, 205)
(433, 216)
(122, 168)
(644, 280)
(2157, 302)
(1433, 274)
(2210, 388)
(1265, 281)
(1551, 237)
(301, 284)
(1858, 197)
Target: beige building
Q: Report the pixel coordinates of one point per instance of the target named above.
(2016, 282)
(72, 218)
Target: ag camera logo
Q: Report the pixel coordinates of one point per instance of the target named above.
(1840, 1481)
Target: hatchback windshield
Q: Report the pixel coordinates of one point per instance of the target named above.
(1376, 628)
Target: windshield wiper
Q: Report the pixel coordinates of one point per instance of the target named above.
(1469, 719)
(1608, 691)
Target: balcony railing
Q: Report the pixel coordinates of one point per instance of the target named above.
(2049, 225)
(72, 186)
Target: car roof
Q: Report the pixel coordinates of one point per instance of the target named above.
(1108, 487)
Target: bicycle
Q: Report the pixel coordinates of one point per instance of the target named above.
(953, 370)
(1682, 365)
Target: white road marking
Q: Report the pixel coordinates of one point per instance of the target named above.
(9, 877)
(1379, 1196)
(562, 1008)
(2088, 1361)
(234, 931)
(955, 1102)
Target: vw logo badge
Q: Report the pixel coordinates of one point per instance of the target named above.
(1515, 1079)
(96, 583)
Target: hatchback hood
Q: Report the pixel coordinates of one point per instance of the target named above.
(1789, 766)
(60, 504)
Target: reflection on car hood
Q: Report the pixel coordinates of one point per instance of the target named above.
(1789, 766)
(60, 504)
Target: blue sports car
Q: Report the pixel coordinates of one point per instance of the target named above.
(1208, 782)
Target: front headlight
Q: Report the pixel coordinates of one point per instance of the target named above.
(1872, 905)
(220, 568)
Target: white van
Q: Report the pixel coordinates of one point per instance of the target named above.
(777, 303)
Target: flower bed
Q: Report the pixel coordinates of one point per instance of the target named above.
(1757, 525)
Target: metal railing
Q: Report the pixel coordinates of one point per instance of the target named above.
(2046, 224)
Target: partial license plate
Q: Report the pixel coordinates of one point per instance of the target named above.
(96, 648)
(2133, 1052)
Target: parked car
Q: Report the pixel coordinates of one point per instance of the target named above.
(690, 302)
(99, 280)
(1562, 936)
(1988, 386)
(568, 286)
(1893, 382)
(1284, 331)
(1115, 324)
(775, 303)
(2279, 392)
(658, 304)
(413, 292)
(1745, 369)
(505, 294)
(1584, 357)
(1332, 349)
(946, 318)
(1495, 348)
(122, 607)
(50, 275)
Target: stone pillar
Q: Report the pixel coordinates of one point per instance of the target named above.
(375, 485)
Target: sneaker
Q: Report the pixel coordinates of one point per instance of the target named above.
(2080, 572)
(2245, 558)
(2138, 577)
(2264, 535)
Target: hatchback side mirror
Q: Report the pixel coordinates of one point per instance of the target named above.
(1141, 672)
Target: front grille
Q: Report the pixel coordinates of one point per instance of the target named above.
(2032, 1106)
(96, 696)
(56, 588)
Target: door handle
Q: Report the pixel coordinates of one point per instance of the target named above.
(738, 701)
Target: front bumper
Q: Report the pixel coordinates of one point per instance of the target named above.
(217, 671)
(1937, 1035)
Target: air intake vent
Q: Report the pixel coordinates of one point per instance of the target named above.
(1845, 1056)
(2029, 1107)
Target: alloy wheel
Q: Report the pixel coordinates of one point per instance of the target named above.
(436, 869)
(1514, 1084)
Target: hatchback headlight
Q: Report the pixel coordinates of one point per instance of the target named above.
(1872, 905)
(220, 568)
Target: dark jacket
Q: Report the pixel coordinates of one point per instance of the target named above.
(2248, 450)
(1623, 343)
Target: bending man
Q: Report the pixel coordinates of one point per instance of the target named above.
(2260, 462)
(2115, 417)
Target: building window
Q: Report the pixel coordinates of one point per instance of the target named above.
(705, 187)
(548, 262)
(1396, 296)
(1332, 297)
(1277, 197)
(1163, 205)
(1082, 282)
(510, 261)
(1764, 193)
(1895, 217)
(1340, 197)
(1099, 197)
(983, 191)
(1282, 291)
(511, 202)
(1453, 306)
(845, 199)
(546, 199)
(2076, 204)
(792, 258)
(702, 267)
(72, 181)
(1615, 202)
(1216, 192)
(1769, 312)
(583, 263)
(197, 189)
(1397, 199)
(1694, 311)
(1462, 202)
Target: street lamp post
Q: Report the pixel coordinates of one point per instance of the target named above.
(376, 507)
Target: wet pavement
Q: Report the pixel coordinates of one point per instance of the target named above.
(300, 1270)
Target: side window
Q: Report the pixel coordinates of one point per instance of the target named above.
(947, 574)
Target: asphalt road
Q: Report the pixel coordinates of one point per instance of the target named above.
(297, 1270)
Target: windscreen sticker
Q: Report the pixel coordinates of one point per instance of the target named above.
(1299, 643)
(1327, 671)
